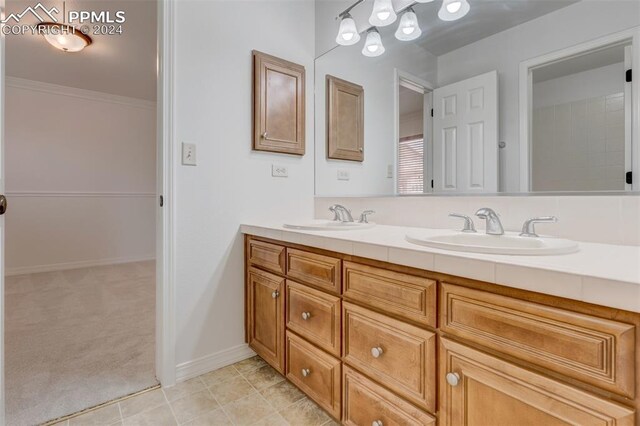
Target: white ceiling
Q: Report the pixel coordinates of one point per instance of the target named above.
(589, 61)
(122, 65)
(486, 17)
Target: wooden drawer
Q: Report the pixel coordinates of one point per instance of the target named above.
(407, 364)
(322, 379)
(401, 295)
(317, 270)
(594, 350)
(365, 403)
(314, 315)
(266, 255)
(486, 390)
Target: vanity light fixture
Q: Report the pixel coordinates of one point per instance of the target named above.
(409, 28)
(373, 44)
(64, 36)
(348, 32)
(382, 13)
(453, 9)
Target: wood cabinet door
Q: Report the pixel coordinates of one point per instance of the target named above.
(279, 105)
(345, 120)
(479, 389)
(265, 319)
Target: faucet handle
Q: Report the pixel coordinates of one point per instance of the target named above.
(468, 222)
(529, 229)
(363, 216)
(333, 210)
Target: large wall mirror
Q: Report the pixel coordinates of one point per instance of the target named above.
(514, 96)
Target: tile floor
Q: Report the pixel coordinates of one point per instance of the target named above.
(249, 392)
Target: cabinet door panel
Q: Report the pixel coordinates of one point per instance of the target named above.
(265, 295)
(345, 115)
(279, 105)
(492, 391)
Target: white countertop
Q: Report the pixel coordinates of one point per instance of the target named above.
(603, 274)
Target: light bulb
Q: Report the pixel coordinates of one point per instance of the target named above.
(408, 28)
(453, 9)
(348, 32)
(382, 13)
(373, 44)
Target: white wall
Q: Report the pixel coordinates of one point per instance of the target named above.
(588, 84)
(80, 177)
(580, 22)
(377, 77)
(231, 184)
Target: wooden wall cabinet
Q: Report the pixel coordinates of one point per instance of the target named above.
(345, 120)
(278, 105)
(383, 344)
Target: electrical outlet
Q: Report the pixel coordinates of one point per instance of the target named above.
(279, 171)
(343, 175)
(188, 154)
(390, 171)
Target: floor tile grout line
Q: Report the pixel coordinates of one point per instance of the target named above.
(120, 410)
(170, 407)
(221, 407)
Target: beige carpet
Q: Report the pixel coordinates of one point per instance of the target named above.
(75, 339)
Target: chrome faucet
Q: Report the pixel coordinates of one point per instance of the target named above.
(494, 226)
(529, 230)
(363, 216)
(468, 222)
(341, 213)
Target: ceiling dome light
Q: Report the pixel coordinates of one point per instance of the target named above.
(373, 44)
(63, 36)
(423, 1)
(382, 13)
(348, 32)
(408, 29)
(453, 9)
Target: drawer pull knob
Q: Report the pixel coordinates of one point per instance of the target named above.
(377, 423)
(306, 315)
(453, 379)
(376, 352)
(275, 294)
(305, 372)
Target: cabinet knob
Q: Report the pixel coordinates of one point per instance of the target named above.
(275, 294)
(306, 315)
(376, 352)
(453, 379)
(377, 423)
(305, 372)
(361, 149)
(265, 135)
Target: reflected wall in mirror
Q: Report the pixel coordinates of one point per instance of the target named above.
(515, 96)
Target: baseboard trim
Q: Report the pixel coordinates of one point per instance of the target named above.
(190, 369)
(75, 265)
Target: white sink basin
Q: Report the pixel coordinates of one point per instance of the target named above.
(327, 225)
(509, 243)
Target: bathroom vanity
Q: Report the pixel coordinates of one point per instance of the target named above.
(382, 342)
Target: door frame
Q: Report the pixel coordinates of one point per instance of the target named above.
(428, 88)
(165, 216)
(631, 35)
(166, 191)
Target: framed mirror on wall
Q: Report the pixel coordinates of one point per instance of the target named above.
(517, 96)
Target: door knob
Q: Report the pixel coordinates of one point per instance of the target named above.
(275, 294)
(377, 423)
(453, 379)
(305, 372)
(3, 204)
(306, 315)
(376, 352)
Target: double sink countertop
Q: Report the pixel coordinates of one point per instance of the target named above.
(602, 274)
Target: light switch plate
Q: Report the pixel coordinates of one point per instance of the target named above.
(279, 171)
(343, 175)
(188, 154)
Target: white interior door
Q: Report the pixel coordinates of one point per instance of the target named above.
(465, 129)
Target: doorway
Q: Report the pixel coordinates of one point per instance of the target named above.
(110, 284)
